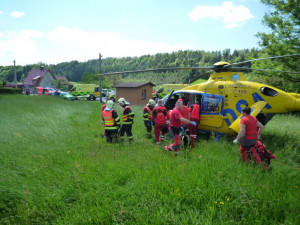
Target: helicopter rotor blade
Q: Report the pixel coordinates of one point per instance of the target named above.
(158, 70)
(248, 68)
(200, 75)
(253, 60)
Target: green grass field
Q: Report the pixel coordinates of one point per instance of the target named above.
(56, 168)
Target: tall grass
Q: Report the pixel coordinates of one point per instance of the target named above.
(56, 168)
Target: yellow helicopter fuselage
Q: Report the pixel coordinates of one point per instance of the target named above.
(237, 93)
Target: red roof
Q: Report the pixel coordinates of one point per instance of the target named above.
(36, 74)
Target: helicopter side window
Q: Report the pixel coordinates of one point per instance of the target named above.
(211, 105)
(268, 91)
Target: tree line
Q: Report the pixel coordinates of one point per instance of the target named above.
(282, 19)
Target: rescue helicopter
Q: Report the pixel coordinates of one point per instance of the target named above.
(226, 92)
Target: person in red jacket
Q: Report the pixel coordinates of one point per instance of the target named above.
(102, 109)
(147, 114)
(250, 132)
(111, 122)
(185, 114)
(175, 125)
(160, 117)
(195, 116)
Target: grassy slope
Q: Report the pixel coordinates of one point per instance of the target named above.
(56, 168)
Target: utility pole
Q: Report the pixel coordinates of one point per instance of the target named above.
(100, 78)
(16, 85)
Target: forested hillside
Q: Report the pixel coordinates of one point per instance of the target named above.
(74, 70)
(86, 72)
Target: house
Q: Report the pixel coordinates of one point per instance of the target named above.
(137, 93)
(41, 77)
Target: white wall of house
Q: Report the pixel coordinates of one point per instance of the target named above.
(47, 81)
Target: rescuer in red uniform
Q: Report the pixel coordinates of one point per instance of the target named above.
(195, 116)
(111, 122)
(147, 114)
(250, 132)
(160, 117)
(185, 114)
(175, 125)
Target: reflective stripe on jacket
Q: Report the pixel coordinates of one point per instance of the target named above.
(127, 118)
(110, 123)
(147, 114)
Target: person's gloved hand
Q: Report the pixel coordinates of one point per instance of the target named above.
(152, 122)
(235, 141)
(194, 123)
(132, 121)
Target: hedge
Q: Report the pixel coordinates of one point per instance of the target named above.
(11, 90)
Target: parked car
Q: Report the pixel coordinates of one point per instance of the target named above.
(42, 91)
(66, 95)
(112, 97)
(112, 92)
(106, 92)
(51, 91)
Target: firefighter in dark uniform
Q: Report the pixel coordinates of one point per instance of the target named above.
(111, 122)
(127, 118)
(147, 114)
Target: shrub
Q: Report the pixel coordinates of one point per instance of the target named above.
(10, 90)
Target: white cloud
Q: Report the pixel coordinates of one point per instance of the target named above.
(232, 16)
(65, 44)
(1, 12)
(17, 46)
(17, 14)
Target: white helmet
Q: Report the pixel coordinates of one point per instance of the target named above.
(122, 100)
(110, 104)
(151, 102)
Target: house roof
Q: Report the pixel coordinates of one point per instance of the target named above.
(133, 84)
(36, 74)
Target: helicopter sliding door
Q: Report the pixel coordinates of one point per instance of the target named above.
(212, 110)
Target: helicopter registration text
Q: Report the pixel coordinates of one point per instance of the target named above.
(230, 113)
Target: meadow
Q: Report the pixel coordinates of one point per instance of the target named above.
(56, 168)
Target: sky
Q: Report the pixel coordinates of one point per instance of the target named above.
(33, 31)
